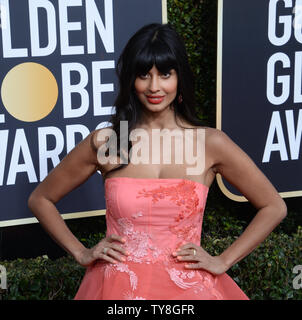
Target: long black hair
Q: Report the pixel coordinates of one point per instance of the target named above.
(159, 45)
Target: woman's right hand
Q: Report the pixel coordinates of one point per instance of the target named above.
(113, 252)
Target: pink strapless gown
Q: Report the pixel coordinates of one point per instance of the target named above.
(155, 216)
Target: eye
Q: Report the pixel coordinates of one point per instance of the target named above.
(143, 76)
(166, 75)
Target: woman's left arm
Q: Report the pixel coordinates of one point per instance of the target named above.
(237, 168)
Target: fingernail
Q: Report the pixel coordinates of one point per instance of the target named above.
(123, 259)
(174, 254)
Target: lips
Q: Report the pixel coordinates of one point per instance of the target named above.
(155, 99)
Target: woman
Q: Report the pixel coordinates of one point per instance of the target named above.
(155, 208)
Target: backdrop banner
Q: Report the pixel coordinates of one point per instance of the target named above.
(259, 88)
(58, 83)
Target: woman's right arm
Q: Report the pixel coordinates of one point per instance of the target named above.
(76, 167)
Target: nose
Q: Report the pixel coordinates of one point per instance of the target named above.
(154, 84)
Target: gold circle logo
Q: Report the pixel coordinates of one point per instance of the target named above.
(29, 92)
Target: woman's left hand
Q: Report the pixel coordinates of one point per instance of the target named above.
(192, 253)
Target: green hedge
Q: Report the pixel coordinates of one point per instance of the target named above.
(41, 279)
(196, 22)
(265, 274)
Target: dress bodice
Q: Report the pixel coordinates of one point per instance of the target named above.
(155, 216)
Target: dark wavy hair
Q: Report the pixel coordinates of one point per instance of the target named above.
(159, 45)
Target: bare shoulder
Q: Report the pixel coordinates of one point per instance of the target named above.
(229, 160)
(223, 150)
(216, 139)
(98, 137)
(209, 136)
(215, 136)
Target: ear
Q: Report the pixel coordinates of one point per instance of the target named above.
(179, 99)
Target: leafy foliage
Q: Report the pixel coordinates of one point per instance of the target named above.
(196, 22)
(42, 279)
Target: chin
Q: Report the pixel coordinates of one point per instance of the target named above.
(157, 108)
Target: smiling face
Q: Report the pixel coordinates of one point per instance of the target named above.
(155, 90)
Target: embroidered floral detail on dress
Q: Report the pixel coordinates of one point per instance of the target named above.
(139, 244)
(183, 195)
(130, 296)
(187, 232)
(122, 267)
(208, 282)
(204, 281)
(137, 215)
(111, 268)
(178, 278)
